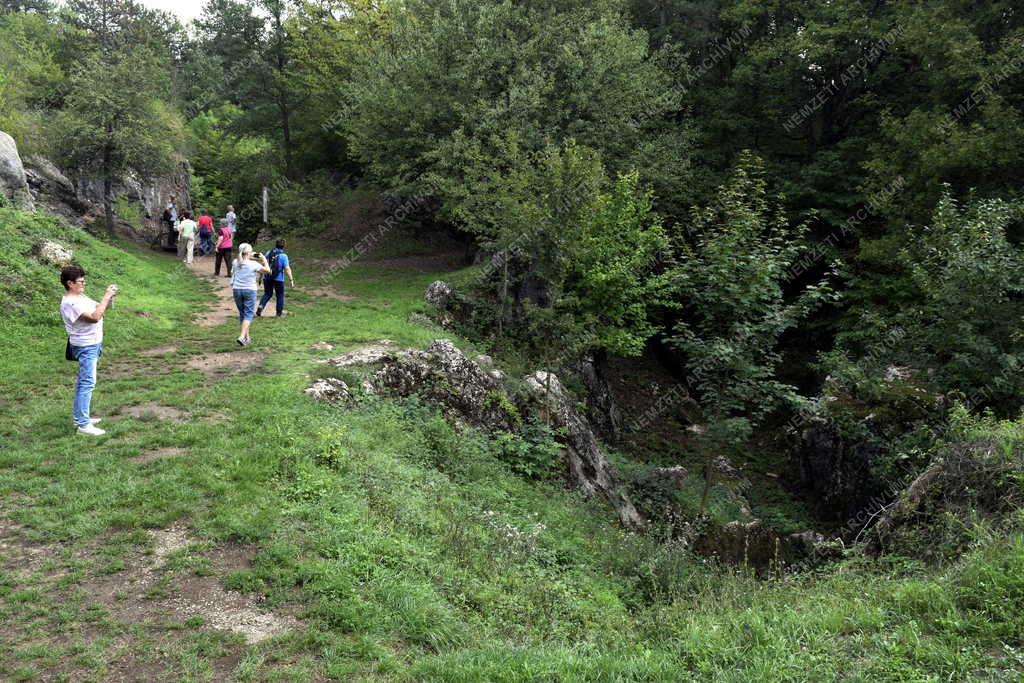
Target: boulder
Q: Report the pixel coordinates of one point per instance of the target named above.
(438, 294)
(676, 475)
(53, 253)
(365, 355)
(444, 374)
(52, 189)
(329, 389)
(13, 184)
(588, 468)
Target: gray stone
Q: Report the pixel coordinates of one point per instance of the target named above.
(13, 184)
(438, 294)
(444, 374)
(677, 475)
(365, 355)
(588, 467)
(53, 253)
(329, 389)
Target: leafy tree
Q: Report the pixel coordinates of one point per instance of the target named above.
(31, 80)
(731, 284)
(589, 241)
(449, 82)
(963, 331)
(115, 121)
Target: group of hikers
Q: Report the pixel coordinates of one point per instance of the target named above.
(183, 231)
(83, 317)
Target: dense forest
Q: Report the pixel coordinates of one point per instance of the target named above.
(778, 233)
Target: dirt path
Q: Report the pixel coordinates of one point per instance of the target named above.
(223, 309)
(166, 585)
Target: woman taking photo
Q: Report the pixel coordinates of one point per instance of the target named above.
(245, 273)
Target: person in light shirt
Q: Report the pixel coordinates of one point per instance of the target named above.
(187, 235)
(83, 321)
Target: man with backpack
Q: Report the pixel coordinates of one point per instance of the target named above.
(273, 282)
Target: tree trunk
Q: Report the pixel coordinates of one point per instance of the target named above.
(108, 183)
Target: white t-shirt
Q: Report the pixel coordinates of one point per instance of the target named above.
(81, 332)
(232, 219)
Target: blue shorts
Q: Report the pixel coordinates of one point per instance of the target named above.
(245, 300)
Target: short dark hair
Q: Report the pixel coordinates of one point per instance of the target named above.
(279, 244)
(186, 215)
(69, 274)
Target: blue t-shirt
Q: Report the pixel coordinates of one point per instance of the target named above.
(282, 263)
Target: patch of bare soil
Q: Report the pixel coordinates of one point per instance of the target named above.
(147, 591)
(20, 555)
(223, 309)
(226, 363)
(160, 412)
(159, 351)
(159, 454)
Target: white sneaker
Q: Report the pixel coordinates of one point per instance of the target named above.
(91, 430)
(92, 420)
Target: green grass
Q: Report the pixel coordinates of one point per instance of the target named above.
(409, 548)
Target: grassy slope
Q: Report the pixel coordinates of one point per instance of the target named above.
(408, 547)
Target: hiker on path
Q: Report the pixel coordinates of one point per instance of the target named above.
(223, 249)
(205, 232)
(273, 283)
(187, 233)
(83, 321)
(172, 212)
(232, 219)
(246, 273)
(169, 226)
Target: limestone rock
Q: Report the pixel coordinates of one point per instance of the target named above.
(329, 389)
(365, 355)
(677, 475)
(444, 374)
(438, 294)
(13, 184)
(54, 253)
(588, 467)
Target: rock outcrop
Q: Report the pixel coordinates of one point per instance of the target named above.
(329, 389)
(79, 198)
(601, 407)
(472, 391)
(53, 190)
(588, 467)
(755, 544)
(972, 483)
(53, 253)
(444, 374)
(838, 473)
(13, 184)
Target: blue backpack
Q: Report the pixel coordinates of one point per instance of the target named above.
(274, 261)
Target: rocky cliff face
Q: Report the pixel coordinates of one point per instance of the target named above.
(13, 185)
(35, 181)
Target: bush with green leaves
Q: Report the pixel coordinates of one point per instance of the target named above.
(586, 240)
(730, 283)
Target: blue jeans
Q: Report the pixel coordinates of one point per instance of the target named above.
(245, 301)
(273, 288)
(87, 357)
(206, 244)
